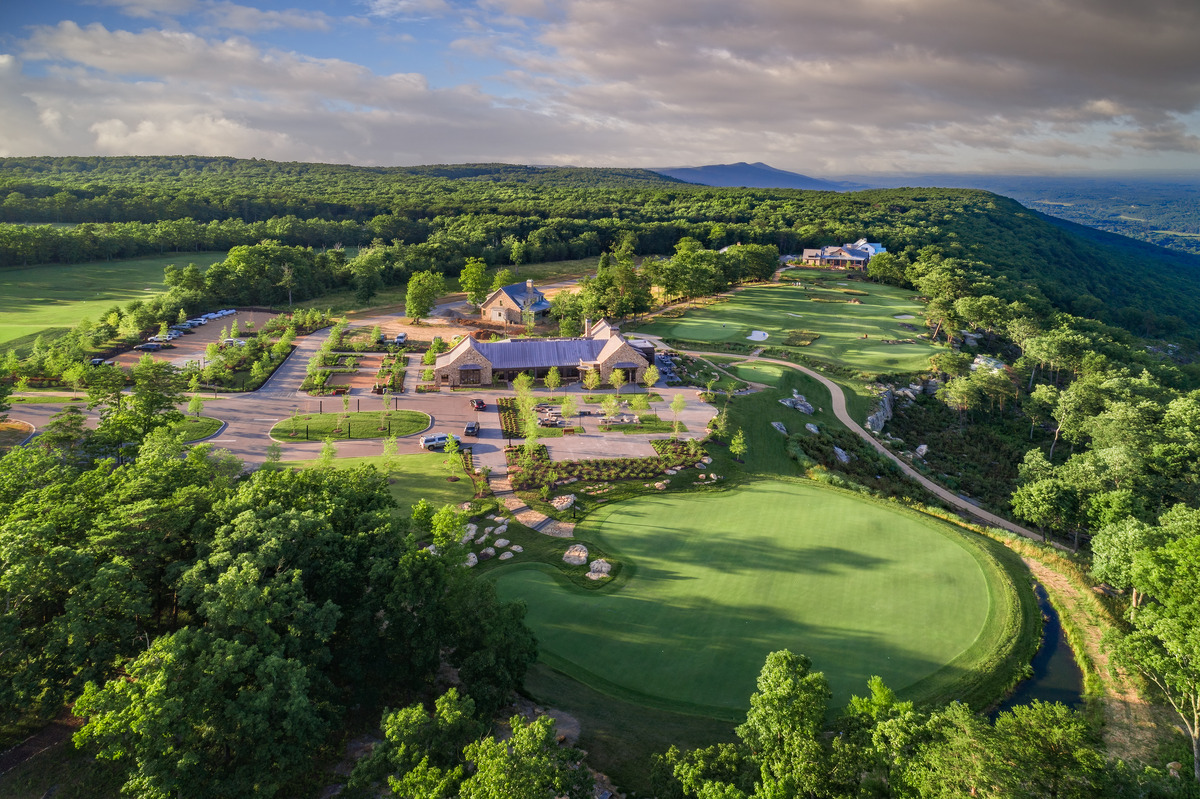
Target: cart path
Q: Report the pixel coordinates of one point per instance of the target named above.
(838, 398)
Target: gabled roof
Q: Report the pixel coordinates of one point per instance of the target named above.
(521, 294)
(530, 353)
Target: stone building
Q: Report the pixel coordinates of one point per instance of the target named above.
(512, 303)
(478, 363)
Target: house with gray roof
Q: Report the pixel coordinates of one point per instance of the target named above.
(512, 303)
(603, 349)
(847, 256)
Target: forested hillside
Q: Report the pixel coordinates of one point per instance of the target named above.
(122, 207)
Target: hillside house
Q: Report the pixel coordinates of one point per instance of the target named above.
(512, 303)
(474, 363)
(848, 256)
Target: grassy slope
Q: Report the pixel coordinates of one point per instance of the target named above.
(42, 298)
(841, 325)
(713, 582)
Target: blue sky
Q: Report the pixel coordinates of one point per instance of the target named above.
(852, 87)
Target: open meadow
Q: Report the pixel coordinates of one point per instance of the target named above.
(713, 582)
(818, 320)
(54, 297)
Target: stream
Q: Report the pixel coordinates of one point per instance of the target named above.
(1056, 675)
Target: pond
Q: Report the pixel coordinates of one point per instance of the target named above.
(1056, 675)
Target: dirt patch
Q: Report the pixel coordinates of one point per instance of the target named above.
(1132, 726)
(53, 734)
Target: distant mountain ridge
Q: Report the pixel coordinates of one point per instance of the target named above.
(752, 176)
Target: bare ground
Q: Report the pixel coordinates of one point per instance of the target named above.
(1133, 727)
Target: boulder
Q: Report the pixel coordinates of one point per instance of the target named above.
(841, 454)
(506, 556)
(921, 450)
(517, 548)
(812, 428)
(485, 554)
(576, 555)
(600, 565)
(501, 543)
(472, 560)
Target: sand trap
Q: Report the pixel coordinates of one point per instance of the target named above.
(904, 316)
(757, 335)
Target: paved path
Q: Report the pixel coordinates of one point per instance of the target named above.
(843, 415)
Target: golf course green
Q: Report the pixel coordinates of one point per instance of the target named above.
(713, 582)
(780, 310)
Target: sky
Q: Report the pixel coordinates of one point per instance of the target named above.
(821, 87)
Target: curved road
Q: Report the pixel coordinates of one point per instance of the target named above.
(843, 415)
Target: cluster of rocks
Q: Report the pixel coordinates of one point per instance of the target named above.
(780, 427)
(563, 502)
(712, 478)
(799, 402)
(489, 552)
(599, 488)
(661, 485)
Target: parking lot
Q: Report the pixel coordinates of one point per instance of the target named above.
(191, 345)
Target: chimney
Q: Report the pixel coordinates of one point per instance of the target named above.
(587, 327)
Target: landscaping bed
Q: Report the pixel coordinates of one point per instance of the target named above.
(357, 424)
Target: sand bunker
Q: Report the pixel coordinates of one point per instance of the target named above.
(904, 316)
(757, 335)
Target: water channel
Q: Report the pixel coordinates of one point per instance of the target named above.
(1056, 675)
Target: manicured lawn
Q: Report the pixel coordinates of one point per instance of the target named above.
(412, 477)
(780, 309)
(195, 428)
(34, 299)
(715, 581)
(364, 424)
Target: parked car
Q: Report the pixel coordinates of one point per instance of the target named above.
(231, 342)
(401, 338)
(149, 346)
(472, 429)
(437, 440)
(478, 404)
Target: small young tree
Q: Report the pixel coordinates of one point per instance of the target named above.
(569, 406)
(553, 379)
(390, 451)
(617, 379)
(274, 455)
(610, 404)
(640, 403)
(346, 406)
(328, 453)
(453, 456)
(234, 331)
(737, 447)
(75, 376)
(195, 405)
(650, 377)
(591, 379)
(678, 403)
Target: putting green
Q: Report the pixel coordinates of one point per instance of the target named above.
(713, 582)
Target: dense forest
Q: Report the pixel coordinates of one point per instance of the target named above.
(98, 208)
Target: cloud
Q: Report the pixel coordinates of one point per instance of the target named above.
(407, 9)
(851, 86)
(245, 19)
(150, 9)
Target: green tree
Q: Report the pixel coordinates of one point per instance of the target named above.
(553, 379)
(530, 765)
(591, 379)
(504, 277)
(195, 405)
(424, 288)
(569, 406)
(678, 403)
(328, 453)
(650, 377)
(473, 280)
(616, 379)
(737, 445)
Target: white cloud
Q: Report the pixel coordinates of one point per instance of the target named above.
(851, 86)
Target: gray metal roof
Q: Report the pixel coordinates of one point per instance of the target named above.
(528, 353)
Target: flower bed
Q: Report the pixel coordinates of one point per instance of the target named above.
(531, 473)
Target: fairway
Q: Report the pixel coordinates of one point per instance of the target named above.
(841, 325)
(719, 580)
(36, 298)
